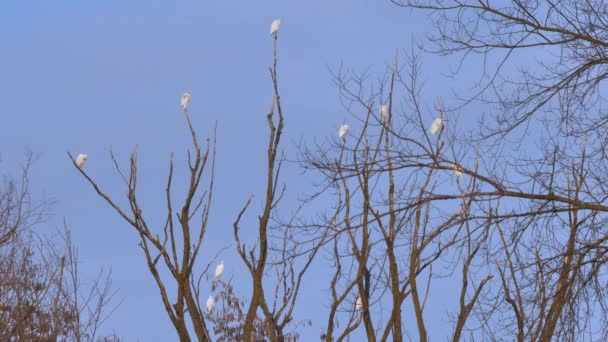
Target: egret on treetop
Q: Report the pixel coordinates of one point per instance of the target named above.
(274, 27)
(219, 270)
(343, 130)
(384, 112)
(210, 303)
(186, 100)
(457, 171)
(359, 303)
(81, 159)
(437, 125)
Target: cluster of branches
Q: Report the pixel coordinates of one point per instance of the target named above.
(521, 232)
(229, 317)
(41, 293)
(172, 258)
(564, 83)
(524, 236)
(393, 240)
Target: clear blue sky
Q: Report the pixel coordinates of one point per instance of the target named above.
(84, 75)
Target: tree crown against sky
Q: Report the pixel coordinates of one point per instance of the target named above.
(499, 213)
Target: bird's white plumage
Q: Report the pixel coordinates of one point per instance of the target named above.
(219, 270)
(457, 171)
(359, 303)
(343, 130)
(210, 302)
(437, 125)
(384, 112)
(274, 27)
(81, 160)
(186, 97)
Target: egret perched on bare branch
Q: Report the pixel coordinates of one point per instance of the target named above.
(359, 304)
(186, 100)
(219, 270)
(457, 171)
(384, 112)
(274, 27)
(437, 125)
(343, 130)
(210, 302)
(81, 160)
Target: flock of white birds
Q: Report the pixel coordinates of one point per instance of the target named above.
(436, 126)
(219, 270)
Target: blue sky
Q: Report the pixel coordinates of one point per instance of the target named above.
(86, 75)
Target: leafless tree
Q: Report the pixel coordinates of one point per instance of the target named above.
(228, 316)
(177, 249)
(41, 296)
(284, 288)
(17, 210)
(388, 245)
(440, 205)
(517, 231)
(553, 198)
(528, 231)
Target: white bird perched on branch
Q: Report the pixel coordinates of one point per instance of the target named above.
(457, 171)
(343, 130)
(384, 112)
(210, 303)
(274, 27)
(219, 270)
(81, 160)
(186, 97)
(437, 125)
(359, 303)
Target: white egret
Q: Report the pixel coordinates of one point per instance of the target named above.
(186, 100)
(437, 125)
(274, 27)
(343, 130)
(384, 112)
(359, 303)
(219, 270)
(81, 160)
(210, 302)
(457, 171)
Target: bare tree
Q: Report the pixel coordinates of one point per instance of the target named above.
(390, 238)
(41, 296)
(17, 210)
(279, 312)
(228, 317)
(554, 196)
(514, 235)
(182, 234)
(177, 249)
(527, 233)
